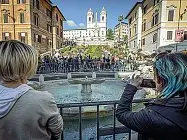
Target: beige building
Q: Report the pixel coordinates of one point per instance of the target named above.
(37, 23)
(160, 21)
(120, 31)
(135, 27)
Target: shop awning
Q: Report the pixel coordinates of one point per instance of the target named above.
(173, 47)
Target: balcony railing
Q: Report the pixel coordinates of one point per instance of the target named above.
(99, 131)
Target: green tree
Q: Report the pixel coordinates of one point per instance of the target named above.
(125, 38)
(110, 34)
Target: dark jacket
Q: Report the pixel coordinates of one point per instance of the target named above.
(159, 120)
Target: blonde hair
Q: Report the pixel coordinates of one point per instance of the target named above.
(17, 61)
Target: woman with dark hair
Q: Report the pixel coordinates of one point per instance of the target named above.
(164, 118)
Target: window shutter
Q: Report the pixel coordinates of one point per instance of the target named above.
(185, 35)
(26, 38)
(10, 36)
(5, 18)
(22, 20)
(170, 15)
(34, 37)
(19, 34)
(3, 34)
(169, 35)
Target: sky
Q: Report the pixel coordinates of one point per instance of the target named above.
(75, 11)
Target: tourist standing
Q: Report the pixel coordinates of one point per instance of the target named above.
(25, 114)
(164, 118)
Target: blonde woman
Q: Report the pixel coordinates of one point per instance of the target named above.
(25, 114)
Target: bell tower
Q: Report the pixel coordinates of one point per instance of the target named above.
(90, 18)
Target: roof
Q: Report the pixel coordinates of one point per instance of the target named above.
(180, 46)
(55, 6)
(50, 2)
(122, 23)
(133, 9)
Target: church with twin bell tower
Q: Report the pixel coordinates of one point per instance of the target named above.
(94, 32)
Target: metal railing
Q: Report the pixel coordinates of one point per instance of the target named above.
(100, 131)
(58, 67)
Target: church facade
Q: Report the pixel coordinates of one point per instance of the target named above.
(95, 31)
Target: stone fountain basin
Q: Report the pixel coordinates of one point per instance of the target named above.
(86, 81)
(64, 92)
(87, 112)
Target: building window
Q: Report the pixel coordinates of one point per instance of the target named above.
(36, 20)
(156, 18)
(39, 38)
(50, 42)
(130, 20)
(144, 26)
(61, 22)
(4, 1)
(143, 41)
(102, 32)
(22, 18)
(153, 20)
(145, 9)
(61, 34)
(47, 41)
(33, 4)
(170, 15)
(156, 1)
(135, 31)
(37, 4)
(35, 37)
(130, 33)
(22, 37)
(44, 39)
(103, 18)
(134, 44)
(49, 28)
(185, 35)
(48, 12)
(21, 1)
(6, 36)
(56, 17)
(57, 30)
(5, 17)
(155, 38)
(89, 18)
(169, 35)
(135, 15)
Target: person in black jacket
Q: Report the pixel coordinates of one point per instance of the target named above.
(164, 118)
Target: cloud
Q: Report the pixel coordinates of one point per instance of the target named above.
(81, 25)
(71, 23)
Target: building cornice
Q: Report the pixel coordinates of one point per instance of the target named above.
(138, 3)
(55, 6)
(124, 23)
